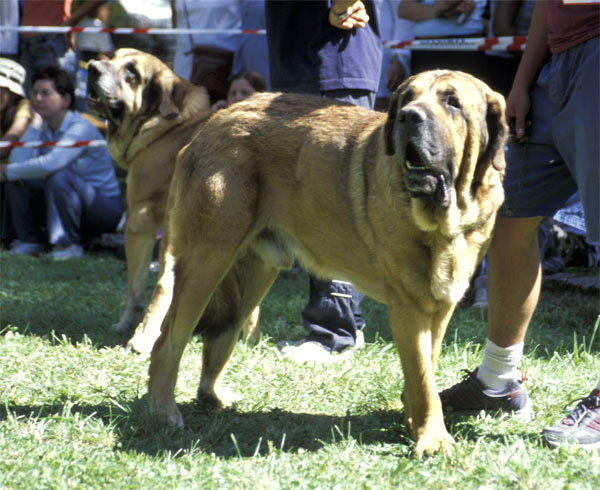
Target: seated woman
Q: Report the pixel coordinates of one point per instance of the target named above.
(242, 86)
(60, 196)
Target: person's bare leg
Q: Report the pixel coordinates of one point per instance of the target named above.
(513, 293)
(514, 279)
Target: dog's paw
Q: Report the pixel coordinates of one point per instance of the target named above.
(121, 328)
(175, 420)
(222, 398)
(427, 446)
(143, 340)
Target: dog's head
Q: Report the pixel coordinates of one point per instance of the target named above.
(134, 84)
(445, 127)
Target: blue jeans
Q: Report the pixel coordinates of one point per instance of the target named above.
(332, 315)
(62, 209)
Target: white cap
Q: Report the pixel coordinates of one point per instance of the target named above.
(12, 76)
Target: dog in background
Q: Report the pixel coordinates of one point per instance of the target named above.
(152, 114)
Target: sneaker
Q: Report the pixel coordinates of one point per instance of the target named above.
(581, 427)
(470, 397)
(66, 252)
(303, 351)
(24, 248)
(360, 339)
(308, 350)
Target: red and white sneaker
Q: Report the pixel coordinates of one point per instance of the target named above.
(581, 427)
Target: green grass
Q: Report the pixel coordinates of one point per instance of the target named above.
(73, 407)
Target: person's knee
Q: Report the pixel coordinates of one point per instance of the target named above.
(58, 181)
(514, 240)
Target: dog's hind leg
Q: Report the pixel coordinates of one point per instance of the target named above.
(233, 305)
(197, 275)
(251, 329)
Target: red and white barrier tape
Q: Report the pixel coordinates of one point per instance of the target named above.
(51, 144)
(128, 30)
(504, 43)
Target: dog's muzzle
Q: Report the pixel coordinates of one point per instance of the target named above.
(425, 158)
(103, 105)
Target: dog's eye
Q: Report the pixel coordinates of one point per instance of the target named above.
(452, 101)
(132, 71)
(407, 97)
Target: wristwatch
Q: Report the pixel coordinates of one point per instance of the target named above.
(341, 16)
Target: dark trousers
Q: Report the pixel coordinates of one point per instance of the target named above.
(62, 209)
(332, 315)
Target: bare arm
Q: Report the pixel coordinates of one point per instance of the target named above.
(505, 12)
(419, 12)
(535, 55)
(14, 133)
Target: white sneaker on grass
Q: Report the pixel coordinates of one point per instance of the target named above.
(303, 351)
(66, 252)
(26, 248)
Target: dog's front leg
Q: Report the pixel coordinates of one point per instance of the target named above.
(140, 237)
(412, 331)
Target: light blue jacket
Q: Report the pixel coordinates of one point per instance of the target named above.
(92, 164)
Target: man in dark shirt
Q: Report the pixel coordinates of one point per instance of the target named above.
(331, 49)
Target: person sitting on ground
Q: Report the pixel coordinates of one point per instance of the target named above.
(70, 193)
(242, 86)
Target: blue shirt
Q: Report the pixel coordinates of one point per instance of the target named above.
(92, 164)
(307, 54)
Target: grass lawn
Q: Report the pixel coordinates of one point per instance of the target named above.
(73, 404)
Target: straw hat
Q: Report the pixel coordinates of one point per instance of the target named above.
(12, 76)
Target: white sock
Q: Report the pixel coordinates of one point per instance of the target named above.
(500, 365)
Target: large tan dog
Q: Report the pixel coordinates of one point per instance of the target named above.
(152, 114)
(401, 205)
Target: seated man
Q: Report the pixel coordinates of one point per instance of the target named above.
(60, 195)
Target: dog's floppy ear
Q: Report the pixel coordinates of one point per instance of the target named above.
(172, 94)
(497, 132)
(388, 129)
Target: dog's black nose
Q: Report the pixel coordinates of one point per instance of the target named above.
(414, 115)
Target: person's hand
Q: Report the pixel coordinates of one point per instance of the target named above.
(395, 75)
(465, 7)
(453, 8)
(354, 14)
(517, 109)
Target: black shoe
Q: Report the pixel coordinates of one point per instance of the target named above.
(470, 397)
